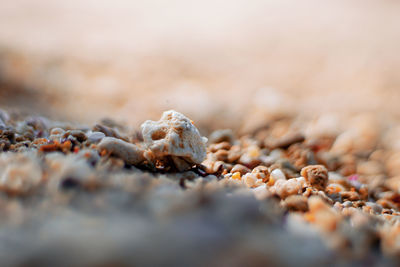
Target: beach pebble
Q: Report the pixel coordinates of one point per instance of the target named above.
(285, 188)
(261, 192)
(95, 137)
(249, 179)
(261, 172)
(316, 175)
(56, 134)
(277, 174)
(19, 173)
(128, 152)
(176, 136)
(77, 134)
(296, 203)
(322, 215)
(240, 168)
(225, 135)
(376, 208)
(57, 131)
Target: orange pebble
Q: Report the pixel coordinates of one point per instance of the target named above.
(236, 176)
(103, 153)
(271, 181)
(309, 217)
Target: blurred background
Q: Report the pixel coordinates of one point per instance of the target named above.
(221, 62)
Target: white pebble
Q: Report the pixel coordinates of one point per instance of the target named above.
(128, 152)
(95, 137)
(261, 192)
(277, 174)
(249, 179)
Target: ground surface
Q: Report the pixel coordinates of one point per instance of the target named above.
(298, 84)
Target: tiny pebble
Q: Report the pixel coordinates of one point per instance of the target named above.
(277, 174)
(95, 137)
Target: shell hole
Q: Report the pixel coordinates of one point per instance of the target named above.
(158, 135)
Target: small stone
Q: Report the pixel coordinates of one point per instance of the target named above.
(316, 175)
(240, 168)
(19, 173)
(285, 188)
(277, 174)
(296, 203)
(174, 135)
(261, 192)
(95, 137)
(218, 146)
(376, 208)
(236, 176)
(261, 172)
(350, 195)
(218, 136)
(249, 179)
(57, 131)
(79, 135)
(222, 155)
(128, 152)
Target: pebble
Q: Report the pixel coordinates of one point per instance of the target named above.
(261, 192)
(277, 174)
(285, 188)
(174, 135)
(374, 206)
(19, 173)
(57, 131)
(249, 179)
(240, 168)
(95, 137)
(316, 175)
(261, 172)
(296, 203)
(225, 135)
(128, 152)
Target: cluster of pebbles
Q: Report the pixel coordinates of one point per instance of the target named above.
(74, 195)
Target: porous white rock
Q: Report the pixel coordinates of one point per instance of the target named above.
(176, 136)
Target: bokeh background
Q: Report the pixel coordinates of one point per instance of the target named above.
(221, 62)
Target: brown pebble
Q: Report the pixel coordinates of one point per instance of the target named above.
(222, 155)
(386, 204)
(350, 195)
(261, 172)
(296, 203)
(225, 135)
(234, 156)
(316, 175)
(79, 135)
(240, 168)
(286, 141)
(219, 146)
(216, 167)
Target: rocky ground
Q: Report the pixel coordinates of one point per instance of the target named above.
(298, 102)
(109, 195)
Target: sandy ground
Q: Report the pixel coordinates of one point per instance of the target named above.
(217, 61)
